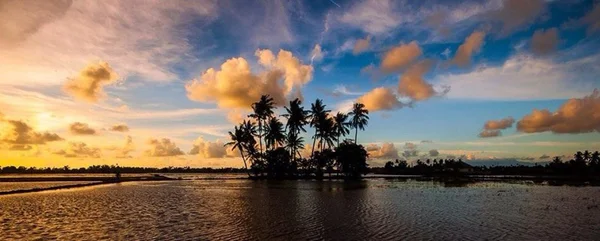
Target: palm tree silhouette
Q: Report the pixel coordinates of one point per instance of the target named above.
(341, 126)
(294, 144)
(296, 117)
(595, 159)
(274, 135)
(587, 155)
(263, 109)
(327, 135)
(360, 118)
(317, 115)
(238, 140)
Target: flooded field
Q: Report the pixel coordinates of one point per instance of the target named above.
(374, 209)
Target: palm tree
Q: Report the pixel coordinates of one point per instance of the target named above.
(587, 156)
(327, 135)
(317, 115)
(595, 159)
(295, 143)
(263, 109)
(274, 135)
(341, 126)
(238, 141)
(360, 118)
(249, 130)
(296, 117)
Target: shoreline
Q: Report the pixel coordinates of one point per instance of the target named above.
(95, 181)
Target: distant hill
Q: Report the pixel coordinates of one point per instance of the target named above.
(504, 162)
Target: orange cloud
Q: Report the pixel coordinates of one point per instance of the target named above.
(492, 128)
(361, 45)
(413, 85)
(163, 148)
(380, 98)
(88, 85)
(471, 45)
(235, 86)
(79, 128)
(544, 42)
(574, 116)
(400, 56)
(499, 124)
(236, 116)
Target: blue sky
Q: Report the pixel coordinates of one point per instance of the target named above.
(481, 60)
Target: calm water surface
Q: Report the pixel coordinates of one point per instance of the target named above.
(375, 209)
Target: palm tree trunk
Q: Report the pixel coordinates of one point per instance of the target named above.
(312, 153)
(355, 135)
(245, 165)
(260, 136)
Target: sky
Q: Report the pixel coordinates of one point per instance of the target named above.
(160, 83)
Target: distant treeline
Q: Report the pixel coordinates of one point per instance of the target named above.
(584, 163)
(114, 169)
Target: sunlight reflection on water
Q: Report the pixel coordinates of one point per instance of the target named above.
(259, 210)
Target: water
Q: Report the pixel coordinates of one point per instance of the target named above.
(375, 209)
(12, 186)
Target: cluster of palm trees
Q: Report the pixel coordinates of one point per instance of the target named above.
(283, 143)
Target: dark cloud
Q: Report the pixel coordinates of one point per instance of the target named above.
(544, 42)
(119, 128)
(78, 128)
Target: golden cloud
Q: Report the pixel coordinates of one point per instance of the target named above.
(380, 98)
(235, 86)
(295, 73)
(126, 149)
(544, 42)
(471, 45)
(574, 116)
(78, 128)
(206, 149)
(88, 85)
(236, 116)
(400, 56)
(163, 148)
(385, 151)
(79, 149)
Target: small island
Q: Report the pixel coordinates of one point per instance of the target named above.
(271, 149)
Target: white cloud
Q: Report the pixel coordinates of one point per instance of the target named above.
(521, 77)
(372, 16)
(50, 41)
